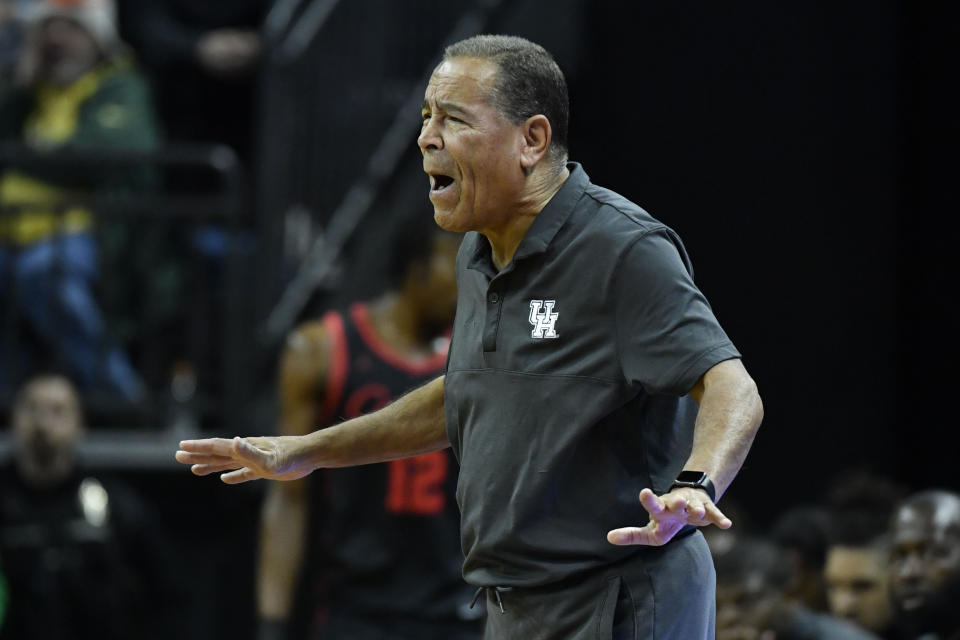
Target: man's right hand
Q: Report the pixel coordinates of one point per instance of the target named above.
(244, 459)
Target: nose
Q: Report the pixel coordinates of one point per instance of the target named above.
(844, 603)
(429, 137)
(910, 568)
(44, 426)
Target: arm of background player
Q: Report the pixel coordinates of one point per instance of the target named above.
(304, 367)
(412, 425)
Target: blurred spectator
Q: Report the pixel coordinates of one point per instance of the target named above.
(376, 547)
(861, 505)
(203, 55)
(925, 566)
(75, 90)
(11, 34)
(83, 555)
(857, 589)
(754, 601)
(866, 497)
(203, 58)
(802, 533)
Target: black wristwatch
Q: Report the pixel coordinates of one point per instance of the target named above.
(696, 480)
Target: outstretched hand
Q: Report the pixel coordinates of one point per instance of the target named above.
(244, 459)
(669, 513)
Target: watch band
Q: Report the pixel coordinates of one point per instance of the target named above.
(696, 480)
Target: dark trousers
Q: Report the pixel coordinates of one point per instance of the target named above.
(662, 593)
(348, 626)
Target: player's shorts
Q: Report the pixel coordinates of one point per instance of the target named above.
(667, 593)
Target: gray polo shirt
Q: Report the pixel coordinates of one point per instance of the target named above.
(564, 391)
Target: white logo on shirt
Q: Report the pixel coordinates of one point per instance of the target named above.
(543, 319)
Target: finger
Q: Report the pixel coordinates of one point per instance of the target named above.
(207, 469)
(245, 474)
(649, 535)
(198, 458)
(652, 503)
(630, 535)
(716, 516)
(214, 446)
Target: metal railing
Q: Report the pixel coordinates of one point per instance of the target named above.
(398, 120)
(212, 198)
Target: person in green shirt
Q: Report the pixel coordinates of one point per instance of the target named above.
(75, 89)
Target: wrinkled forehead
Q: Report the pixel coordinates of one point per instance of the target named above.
(469, 80)
(849, 560)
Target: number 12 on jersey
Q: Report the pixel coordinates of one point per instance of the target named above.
(415, 485)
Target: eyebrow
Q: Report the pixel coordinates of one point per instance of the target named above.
(446, 107)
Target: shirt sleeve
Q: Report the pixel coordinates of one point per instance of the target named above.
(667, 334)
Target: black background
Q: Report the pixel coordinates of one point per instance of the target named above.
(805, 152)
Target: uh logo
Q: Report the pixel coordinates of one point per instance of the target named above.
(543, 319)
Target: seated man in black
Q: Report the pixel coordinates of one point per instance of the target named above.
(82, 556)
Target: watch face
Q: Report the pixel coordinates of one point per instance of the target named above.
(690, 476)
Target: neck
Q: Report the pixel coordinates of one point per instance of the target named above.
(542, 184)
(398, 320)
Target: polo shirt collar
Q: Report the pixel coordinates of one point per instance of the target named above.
(544, 227)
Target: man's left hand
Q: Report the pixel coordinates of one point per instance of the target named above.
(669, 513)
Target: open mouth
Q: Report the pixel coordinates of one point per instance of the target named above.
(439, 182)
(43, 452)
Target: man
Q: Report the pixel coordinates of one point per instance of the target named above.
(856, 578)
(754, 598)
(83, 555)
(386, 537)
(925, 565)
(856, 565)
(580, 350)
(203, 58)
(801, 533)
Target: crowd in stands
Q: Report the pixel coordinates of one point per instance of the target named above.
(91, 291)
(869, 560)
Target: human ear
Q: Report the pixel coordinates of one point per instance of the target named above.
(537, 134)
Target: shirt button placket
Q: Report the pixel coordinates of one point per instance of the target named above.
(494, 302)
